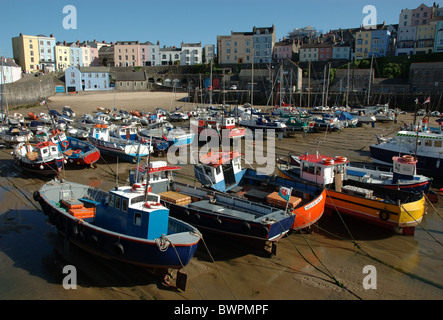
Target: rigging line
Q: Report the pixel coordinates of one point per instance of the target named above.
(178, 256)
(330, 275)
(422, 226)
(207, 249)
(333, 277)
(433, 207)
(341, 218)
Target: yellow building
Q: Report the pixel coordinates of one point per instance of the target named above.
(425, 38)
(26, 52)
(363, 44)
(62, 56)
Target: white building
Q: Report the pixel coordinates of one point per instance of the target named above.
(169, 55)
(87, 79)
(46, 47)
(9, 71)
(191, 53)
(208, 53)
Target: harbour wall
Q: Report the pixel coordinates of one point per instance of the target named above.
(29, 92)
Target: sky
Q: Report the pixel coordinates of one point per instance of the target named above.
(175, 21)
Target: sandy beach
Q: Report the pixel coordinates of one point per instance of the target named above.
(326, 263)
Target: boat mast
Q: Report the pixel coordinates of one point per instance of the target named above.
(347, 87)
(370, 79)
(309, 84)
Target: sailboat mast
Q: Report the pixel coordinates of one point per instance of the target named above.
(309, 85)
(347, 87)
(252, 78)
(370, 80)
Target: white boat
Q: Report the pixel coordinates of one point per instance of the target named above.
(100, 137)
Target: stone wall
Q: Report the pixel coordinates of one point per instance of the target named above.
(30, 91)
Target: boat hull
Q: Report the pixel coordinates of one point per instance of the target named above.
(112, 245)
(50, 168)
(398, 218)
(80, 153)
(426, 165)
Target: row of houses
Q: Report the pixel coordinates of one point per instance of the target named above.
(419, 31)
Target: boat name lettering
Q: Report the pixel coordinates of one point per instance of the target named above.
(313, 204)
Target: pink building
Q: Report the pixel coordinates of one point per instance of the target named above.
(284, 50)
(421, 15)
(127, 54)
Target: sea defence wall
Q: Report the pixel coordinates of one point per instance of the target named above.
(29, 92)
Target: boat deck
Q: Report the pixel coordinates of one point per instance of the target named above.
(223, 210)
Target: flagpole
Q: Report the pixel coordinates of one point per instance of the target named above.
(289, 199)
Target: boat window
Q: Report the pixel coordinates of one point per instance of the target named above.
(137, 199)
(125, 205)
(153, 198)
(45, 151)
(138, 219)
(111, 200)
(218, 170)
(117, 202)
(428, 143)
(54, 150)
(309, 168)
(438, 143)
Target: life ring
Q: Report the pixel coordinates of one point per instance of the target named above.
(408, 158)
(328, 161)
(384, 215)
(65, 143)
(341, 159)
(118, 248)
(137, 188)
(78, 151)
(217, 222)
(246, 227)
(196, 217)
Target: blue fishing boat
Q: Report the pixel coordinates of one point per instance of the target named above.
(222, 171)
(128, 224)
(100, 137)
(77, 152)
(263, 123)
(235, 217)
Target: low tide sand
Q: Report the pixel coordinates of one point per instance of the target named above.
(308, 266)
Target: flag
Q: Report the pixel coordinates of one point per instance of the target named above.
(428, 100)
(285, 193)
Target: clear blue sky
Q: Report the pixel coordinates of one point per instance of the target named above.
(174, 21)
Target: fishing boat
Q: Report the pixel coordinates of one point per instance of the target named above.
(263, 123)
(101, 138)
(32, 116)
(426, 147)
(67, 111)
(177, 137)
(392, 209)
(214, 126)
(258, 224)
(125, 224)
(14, 134)
(42, 158)
(77, 152)
(222, 171)
(402, 175)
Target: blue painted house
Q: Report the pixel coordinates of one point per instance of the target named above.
(79, 79)
(380, 40)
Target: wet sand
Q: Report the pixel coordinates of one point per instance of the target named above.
(407, 268)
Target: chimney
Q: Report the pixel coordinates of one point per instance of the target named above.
(51, 36)
(21, 34)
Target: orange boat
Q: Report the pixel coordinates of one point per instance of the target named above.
(222, 171)
(32, 116)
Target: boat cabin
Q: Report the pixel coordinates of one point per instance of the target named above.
(130, 211)
(47, 150)
(424, 141)
(127, 133)
(404, 168)
(160, 175)
(221, 170)
(100, 132)
(322, 170)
